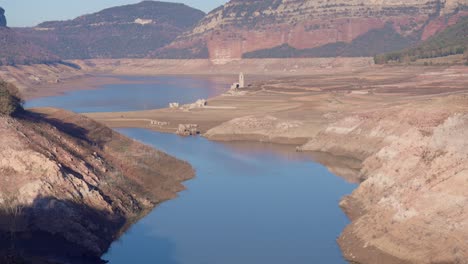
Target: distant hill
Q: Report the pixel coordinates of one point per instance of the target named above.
(451, 41)
(15, 49)
(129, 31)
(311, 28)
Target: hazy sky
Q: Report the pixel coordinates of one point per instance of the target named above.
(22, 13)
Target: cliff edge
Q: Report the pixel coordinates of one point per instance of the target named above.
(71, 183)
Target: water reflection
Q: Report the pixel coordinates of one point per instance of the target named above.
(249, 203)
(135, 93)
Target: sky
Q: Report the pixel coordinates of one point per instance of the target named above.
(22, 13)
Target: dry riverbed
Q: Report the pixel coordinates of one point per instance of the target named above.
(408, 126)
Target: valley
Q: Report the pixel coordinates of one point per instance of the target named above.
(397, 119)
(301, 131)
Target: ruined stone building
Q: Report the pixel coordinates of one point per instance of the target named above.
(240, 84)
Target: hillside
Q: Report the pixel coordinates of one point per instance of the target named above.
(259, 28)
(14, 49)
(70, 183)
(129, 31)
(451, 41)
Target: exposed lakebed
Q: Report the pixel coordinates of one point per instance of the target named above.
(249, 203)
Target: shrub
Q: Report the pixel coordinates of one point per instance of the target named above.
(10, 99)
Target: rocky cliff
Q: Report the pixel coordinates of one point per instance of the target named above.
(130, 31)
(3, 22)
(69, 183)
(241, 27)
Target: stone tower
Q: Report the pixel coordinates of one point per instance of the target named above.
(241, 80)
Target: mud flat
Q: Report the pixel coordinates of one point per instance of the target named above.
(408, 126)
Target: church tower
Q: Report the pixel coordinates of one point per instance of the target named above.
(241, 80)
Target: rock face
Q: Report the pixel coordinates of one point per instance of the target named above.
(413, 195)
(75, 185)
(241, 27)
(130, 31)
(3, 22)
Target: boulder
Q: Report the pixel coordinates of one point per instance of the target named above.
(188, 130)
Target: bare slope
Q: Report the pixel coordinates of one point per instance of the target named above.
(72, 184)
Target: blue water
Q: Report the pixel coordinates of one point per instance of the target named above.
(137, 93)
(249, 203)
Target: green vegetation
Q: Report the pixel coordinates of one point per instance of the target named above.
(452, 41)
(10, 100)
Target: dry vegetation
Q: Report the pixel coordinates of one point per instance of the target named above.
(10, 99)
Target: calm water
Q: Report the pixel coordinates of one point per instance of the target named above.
(249, 203)
(144, 93)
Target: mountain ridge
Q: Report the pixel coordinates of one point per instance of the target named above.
(129, 31)
(247, 26)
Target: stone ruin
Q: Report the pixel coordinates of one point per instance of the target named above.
(200, 103)
(174, 105)
(158, 123)
(188, 130)
(240, 84)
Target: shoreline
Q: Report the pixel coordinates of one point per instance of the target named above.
(69, 165)
(378, 121)
(42, 80)
(376, 108)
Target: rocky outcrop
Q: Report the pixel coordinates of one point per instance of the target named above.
(188, 130)
(69, 183)
(129, 31)
(3, 22)
(413, 195)
(246, 26)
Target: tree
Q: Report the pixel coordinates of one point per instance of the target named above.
(10, 99)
